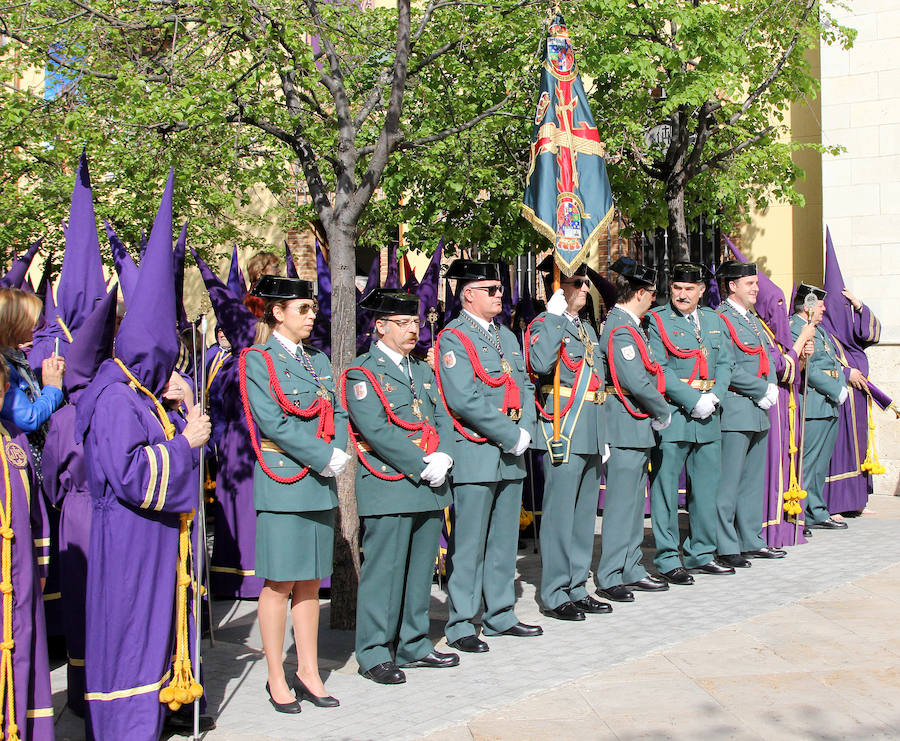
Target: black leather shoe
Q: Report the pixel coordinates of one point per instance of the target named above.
(678, 575)
(735, 561)
(385, 673)
(181, 722)
(303, 693)
(433, 659)
(765, 553)
(470, 644)
(618, 593)
(292, 707)
(566, 611)
(522, 630)
(593, 606)
(712, 568)
(649, 584)
(830, 524)
(807, 533)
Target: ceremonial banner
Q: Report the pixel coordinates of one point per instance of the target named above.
(567, 194)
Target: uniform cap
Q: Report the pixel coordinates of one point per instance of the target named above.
(390, 301)
(734, 269)
(469, 270)
(279, 288)
(634, 271)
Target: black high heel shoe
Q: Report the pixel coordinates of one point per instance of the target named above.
(292, 707)
(303, 693)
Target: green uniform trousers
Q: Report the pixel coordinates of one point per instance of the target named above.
(567, 527)
(484, 541)
(741, 492)
(394, 594)
(623, 518)
(819, 437)
(703, 461)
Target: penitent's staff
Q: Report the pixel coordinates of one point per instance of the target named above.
(809, 303)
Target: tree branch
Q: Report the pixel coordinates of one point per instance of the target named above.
(722, 156)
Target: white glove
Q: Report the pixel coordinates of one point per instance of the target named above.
(557, 303)
(772, 394)
(661, 424)
(606, 453)
(764, 404)
(337, 464)
(436, 470)
(524, 441)
(844, 395)
(705, 406)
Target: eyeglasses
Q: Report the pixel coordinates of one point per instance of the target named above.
(579, 282)
(406, 323)
(306, 308)
(491, 290)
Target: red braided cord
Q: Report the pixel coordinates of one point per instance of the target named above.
(321, 407)
(428, 443)
(652, 367)
(481, 374)
(536, 379)
(679, 352)
(763, 369)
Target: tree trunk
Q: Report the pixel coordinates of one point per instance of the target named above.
(345, 579)
(679, 247)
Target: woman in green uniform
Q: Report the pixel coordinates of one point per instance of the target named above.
(298, 432)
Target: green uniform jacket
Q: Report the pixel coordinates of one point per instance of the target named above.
(478, 406)
(824, 389)
(739, 409)
(393, 451)
(295, 436)
(545, 335)
(682, 397)
(622, 429)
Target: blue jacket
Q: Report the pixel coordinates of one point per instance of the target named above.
(18, 408)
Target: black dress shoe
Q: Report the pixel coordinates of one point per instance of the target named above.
(303, 693)
(830, 524)
(807, 533)
(712, 568)
(765, 553)
(433, 659)
(678, 575)
(566, 611)
(292, 707)
(522, 630)
(649, 584)
(385, 673)
(595, 607)
(181, 722)
(618, 593)
(735, 561)
(470, 644)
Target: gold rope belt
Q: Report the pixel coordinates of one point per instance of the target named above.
(701, 384)
(268, 446)
(366, 448)
(597, 397)
(832, 373)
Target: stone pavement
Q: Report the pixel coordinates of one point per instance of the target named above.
(806, 647)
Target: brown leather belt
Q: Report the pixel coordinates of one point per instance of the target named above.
(701, 384)
(597, 397)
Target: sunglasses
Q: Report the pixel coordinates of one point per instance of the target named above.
(579, 282)
(306, 308)
(491, 290)
(406, 323)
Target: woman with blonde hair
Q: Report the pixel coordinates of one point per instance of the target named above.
(298, 431)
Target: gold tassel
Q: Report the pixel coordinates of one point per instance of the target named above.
(871, 464)
(794, 495)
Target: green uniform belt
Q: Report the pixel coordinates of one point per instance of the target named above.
(598, 396)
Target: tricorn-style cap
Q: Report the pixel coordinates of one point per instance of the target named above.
(546, 266)
(734, 269)
(391, 301)
(634, 271)
(688, 272)
(276, 287)
(469, 270)
(804, 289)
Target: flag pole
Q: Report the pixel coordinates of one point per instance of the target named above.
(558, 370)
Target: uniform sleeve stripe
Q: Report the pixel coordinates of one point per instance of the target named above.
(163, 477)
(40, 713)
(41, 542)
(151, 479)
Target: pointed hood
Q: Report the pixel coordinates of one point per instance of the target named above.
(81, 282)
(180, 314)
(771, 305)
(236, 283)
(289, 266)
(15, 277)
(147, 342)
(428, 292)
(235, 319)
(321, 334)
(605, 288)
(838, 319)
(713, 296)
(392, 279)
(126, 268)
(91, 345)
